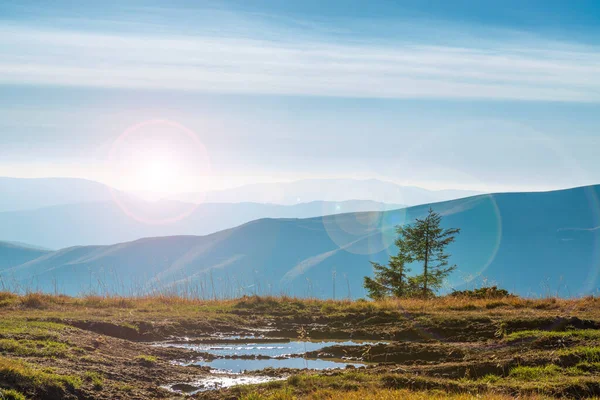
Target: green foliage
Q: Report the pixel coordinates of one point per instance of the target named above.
(422, 242)
(392, 280)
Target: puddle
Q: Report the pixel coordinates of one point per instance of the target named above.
(215, 382)
(257, 349)
(239, 360)
(237, 365)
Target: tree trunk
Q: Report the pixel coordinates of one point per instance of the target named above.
(425, 264)
(401, 293)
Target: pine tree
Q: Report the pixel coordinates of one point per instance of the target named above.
(425, 242)
(389, 280)
(422, 242)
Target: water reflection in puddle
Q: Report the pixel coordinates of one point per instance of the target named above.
(237, 365)
(251, 354)
(217, 381)
(239, 349)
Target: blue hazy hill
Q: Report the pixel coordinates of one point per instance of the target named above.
(105, 222)
(531, 243)
(26, 194)
(13, 254)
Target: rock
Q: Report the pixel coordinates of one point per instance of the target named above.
(184, 387)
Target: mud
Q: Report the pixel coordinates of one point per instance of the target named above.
(393, 353)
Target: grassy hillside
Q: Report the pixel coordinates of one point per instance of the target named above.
(531, 243)
(100, 347)
(13, 254)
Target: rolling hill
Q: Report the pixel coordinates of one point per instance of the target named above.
(530, 243)
(106, 223)
(13, 254)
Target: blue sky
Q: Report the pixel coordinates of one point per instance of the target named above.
(494, 95)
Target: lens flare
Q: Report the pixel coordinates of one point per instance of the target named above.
(154, 154)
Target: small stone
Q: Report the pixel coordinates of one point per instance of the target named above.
(184, 387)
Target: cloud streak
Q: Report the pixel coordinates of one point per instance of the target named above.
(296, 66)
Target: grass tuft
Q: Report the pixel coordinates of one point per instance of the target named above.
(95, 378)
(146, 360)
(11, 394)
(25, 377)
(529, 374)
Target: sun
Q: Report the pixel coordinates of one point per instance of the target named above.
(158, 158)
(156, 171)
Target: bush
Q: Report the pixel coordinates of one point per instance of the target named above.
(491, 292)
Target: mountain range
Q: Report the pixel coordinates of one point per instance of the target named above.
(309, 190)
(107, 223)
(63, 212)
(530, 243)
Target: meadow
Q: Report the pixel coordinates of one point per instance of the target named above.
(98, 347)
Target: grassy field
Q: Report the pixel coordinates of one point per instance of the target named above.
(450, 347)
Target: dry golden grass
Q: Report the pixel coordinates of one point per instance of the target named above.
(444, 304)
(386, 394)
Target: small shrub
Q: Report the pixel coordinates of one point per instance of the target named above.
(35, 300)
(491, 292)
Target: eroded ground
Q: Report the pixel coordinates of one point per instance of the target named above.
(164, 347)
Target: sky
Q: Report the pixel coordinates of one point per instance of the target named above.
(183, 96)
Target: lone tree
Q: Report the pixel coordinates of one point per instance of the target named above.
(422, 242)
(390, 280)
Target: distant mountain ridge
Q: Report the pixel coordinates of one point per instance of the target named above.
(20, 194)
(106, 223)
(62, 212)
(308, 190)
(542, 243)
(31, 193)
(14, 254)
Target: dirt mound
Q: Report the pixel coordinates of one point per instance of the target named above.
(393, 353)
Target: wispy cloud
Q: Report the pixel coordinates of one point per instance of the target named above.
(534, 70)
